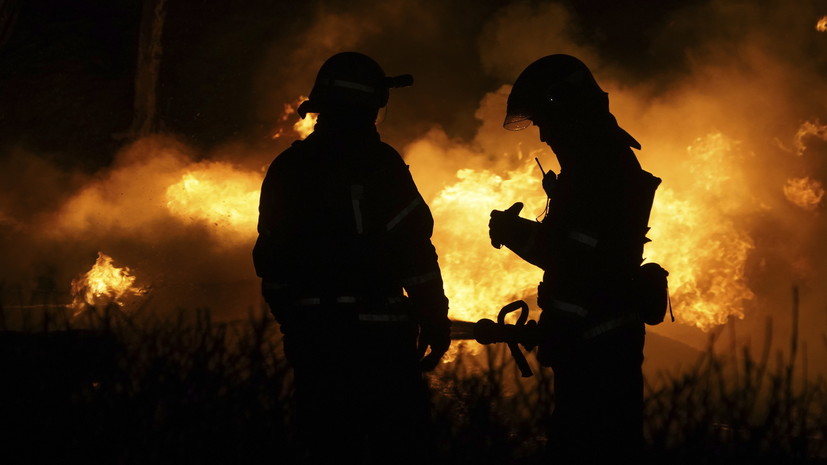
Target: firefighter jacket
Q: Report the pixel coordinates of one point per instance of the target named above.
(590, 245)
(342, 222)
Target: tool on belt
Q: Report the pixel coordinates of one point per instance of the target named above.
(524, 332)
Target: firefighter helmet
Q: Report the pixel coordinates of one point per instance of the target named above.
(555, 85)
(351, 80)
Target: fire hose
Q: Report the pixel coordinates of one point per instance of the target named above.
(485, 331)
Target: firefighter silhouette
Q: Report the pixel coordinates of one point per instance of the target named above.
(349, 271)
(590, 246)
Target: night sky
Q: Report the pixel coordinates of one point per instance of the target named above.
(67, 68)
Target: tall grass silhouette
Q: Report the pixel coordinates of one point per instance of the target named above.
(110, 388)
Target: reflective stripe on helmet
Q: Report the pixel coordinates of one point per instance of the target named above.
(348, 85)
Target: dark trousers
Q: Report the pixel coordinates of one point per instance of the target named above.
(360, 397)
(598, 413)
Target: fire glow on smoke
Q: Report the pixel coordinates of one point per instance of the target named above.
(695, 230)
(218, 194)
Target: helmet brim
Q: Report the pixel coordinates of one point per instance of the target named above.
(308, 106)
(516, 121)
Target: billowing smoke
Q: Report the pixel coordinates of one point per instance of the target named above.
(726, 97)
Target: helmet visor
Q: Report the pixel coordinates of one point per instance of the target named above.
(517, 121)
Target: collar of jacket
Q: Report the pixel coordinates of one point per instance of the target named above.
(345, 126)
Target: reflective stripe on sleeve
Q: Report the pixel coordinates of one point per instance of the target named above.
(357, 193)
(402, 214)
(345, 299)
(423, 278)
(569, 308)
(527, 246)
(402, 316)
(583, 238)
(384, 318)
(397, 300)
(607, 326)
(273, 285)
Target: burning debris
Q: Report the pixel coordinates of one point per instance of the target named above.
(104, 284)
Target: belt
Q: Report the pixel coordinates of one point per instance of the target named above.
(367, 316)
(611, 324)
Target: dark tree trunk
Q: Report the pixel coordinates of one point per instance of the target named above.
(146, 74)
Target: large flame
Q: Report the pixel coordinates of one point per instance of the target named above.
(695, 234)
(104, 284)
(219, 195)
(478, 278)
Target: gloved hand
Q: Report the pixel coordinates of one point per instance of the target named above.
(502, 225)
(438, 338)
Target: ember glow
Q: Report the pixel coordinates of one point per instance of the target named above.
(104, 284)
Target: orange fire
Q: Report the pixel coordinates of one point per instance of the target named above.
(479, 279)
(695, 229)
(224, 197)
(804, 192)
(808, 129)
(104, 284)
(696, 235)
(694, 232)
(303, 126)
(821, 26)
(219, 195)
